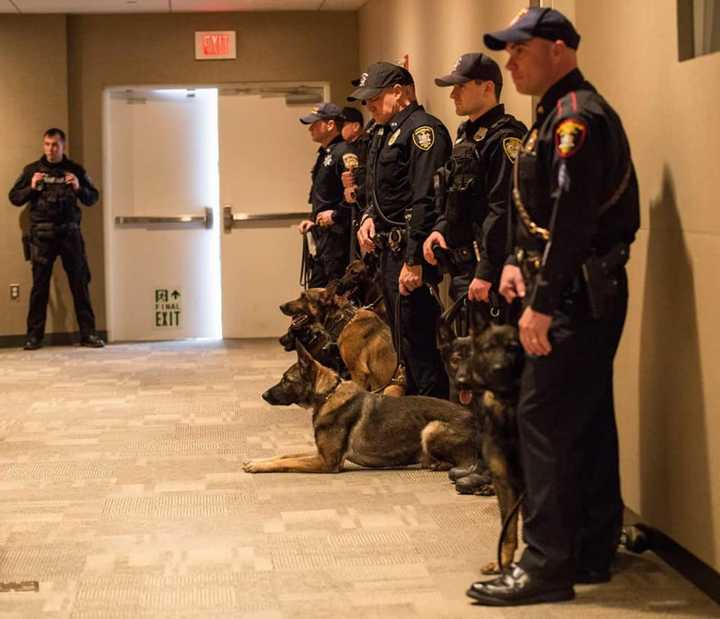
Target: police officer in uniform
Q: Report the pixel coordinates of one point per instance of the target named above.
(474, 187)
(407, 147)
(330, 223)
(52, 186)
(355, 136)
(576, 199)
(475, 182)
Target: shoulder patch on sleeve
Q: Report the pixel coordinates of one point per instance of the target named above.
(570, 136)
(512, 146)
(424, 137)
(350, 161)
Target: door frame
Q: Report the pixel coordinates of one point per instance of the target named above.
(108, 221)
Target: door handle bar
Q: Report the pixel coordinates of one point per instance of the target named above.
(235, 220)
(190, 220)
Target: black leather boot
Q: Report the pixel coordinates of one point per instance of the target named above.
(479, 484)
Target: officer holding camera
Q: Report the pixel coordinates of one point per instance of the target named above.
(52, 186)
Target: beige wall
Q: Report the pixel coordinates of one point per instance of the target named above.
(667, 384)
(434, 34)
(668, 387)
(33, 97)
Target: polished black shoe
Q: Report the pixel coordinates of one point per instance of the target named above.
(591, 577)
(92, 341)
(518, 588)
(32, 343)
(457, 472)
(478, 484)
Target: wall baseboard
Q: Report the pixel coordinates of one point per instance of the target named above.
(679, 558)
(51, 339)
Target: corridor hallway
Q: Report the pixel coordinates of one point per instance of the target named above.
(121, 493)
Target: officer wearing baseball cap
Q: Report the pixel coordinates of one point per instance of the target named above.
(543, 23)
(329, 224)
(473, 191)
(379, 76)
(407, 147)
(575, 198)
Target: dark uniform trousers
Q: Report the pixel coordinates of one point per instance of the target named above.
(569, 443)
(418, 315)
(326, 268)
(65, 241)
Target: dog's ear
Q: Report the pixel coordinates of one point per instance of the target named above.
(479, 318)
(327, 295)
(444, 335)
(305, 361)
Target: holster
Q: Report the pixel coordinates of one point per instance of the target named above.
(600, 275)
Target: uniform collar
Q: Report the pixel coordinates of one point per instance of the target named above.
(45, 162)
(488, 119)
(572, 81)
(326, 149)
(403, 115)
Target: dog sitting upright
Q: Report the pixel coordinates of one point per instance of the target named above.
(364, 340)
(367, 429)
(359, 283)
(486, 367)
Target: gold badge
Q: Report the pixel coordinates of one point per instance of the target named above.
(570, 136)
(511, 146)
(393, 138)
(350, 160)
(480, 134)
(424, 137)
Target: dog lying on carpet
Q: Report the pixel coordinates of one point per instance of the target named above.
(367, 429)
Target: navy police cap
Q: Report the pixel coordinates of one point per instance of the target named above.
(532, 22)
(377, 77)
(326, 111)
(474, 66)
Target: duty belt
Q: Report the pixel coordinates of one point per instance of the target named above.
(55, 227)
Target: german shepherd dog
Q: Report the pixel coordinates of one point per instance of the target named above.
(485, 368)
(370, 430)
(363, 339)
(316, 340)
(360, 284)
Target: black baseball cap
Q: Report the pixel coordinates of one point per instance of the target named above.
(378, 76)
(352, 115)
(532, 22)
(326, 111)
(473, 66)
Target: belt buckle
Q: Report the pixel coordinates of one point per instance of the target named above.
(395, 240)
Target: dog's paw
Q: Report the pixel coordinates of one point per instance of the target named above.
(249, 466)
(490, 569)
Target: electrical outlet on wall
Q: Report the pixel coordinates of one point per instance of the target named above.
(14, 292)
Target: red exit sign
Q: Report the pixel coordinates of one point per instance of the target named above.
(215, 45)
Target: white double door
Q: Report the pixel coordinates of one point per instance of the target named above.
(171, 156)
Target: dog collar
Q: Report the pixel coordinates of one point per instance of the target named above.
(324, 397)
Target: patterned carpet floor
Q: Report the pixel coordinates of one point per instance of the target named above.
(122, 496)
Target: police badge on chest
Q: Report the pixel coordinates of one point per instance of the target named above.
(328, 160)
